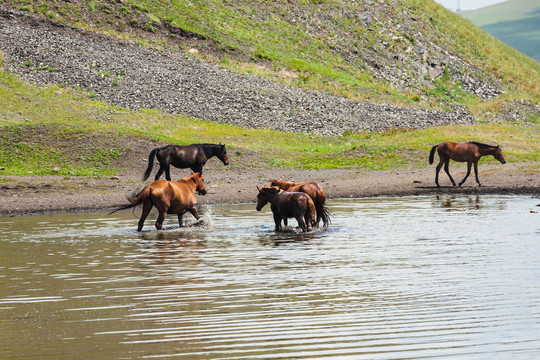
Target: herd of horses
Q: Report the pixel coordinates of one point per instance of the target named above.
(305, 201)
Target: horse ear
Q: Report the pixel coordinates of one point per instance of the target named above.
(192, 173)
(258, 188)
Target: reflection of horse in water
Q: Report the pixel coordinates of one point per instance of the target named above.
(470, 153)
(285, 204)
(169, 197)
(315, 192)
(192, 156)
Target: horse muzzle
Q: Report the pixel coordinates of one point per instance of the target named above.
(202, 192)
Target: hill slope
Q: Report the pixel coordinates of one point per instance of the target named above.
(413, 53)
(515, 22)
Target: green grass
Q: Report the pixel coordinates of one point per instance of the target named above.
(39, 126)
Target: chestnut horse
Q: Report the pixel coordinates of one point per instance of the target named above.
(469, 152)
(169, 197)
(315, 192)
(285, 204)
(192, 156)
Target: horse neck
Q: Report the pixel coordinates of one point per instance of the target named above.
(270, 196)
(190, 182)
(487, 150)
(208, 150)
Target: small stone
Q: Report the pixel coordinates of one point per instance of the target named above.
(56, 169)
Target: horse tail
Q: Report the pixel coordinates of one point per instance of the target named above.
(321, 208)
(135, 199)
(151, 158)
(432, 154)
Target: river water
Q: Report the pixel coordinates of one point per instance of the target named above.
(434, 277)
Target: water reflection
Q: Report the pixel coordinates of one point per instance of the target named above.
(466, 203)
(370, 286)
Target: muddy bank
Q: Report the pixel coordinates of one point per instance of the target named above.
(29, 195)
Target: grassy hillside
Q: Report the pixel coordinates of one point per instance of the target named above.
(408, 52)
(515, 22)
(44, 128)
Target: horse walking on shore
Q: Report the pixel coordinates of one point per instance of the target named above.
(469, 152)
(169, 197)
(315, 192)
(192, 156)
(285, 204)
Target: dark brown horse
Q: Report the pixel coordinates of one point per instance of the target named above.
(286, 205)
(469, 152)
(315, 192)
(192, 156)
(169, 197)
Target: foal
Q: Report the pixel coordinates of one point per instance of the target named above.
(286, 204)
(469, 152)
(315, 192)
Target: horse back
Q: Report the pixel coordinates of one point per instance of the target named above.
(170, 196)
(460, 152)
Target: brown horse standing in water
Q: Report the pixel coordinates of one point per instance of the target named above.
(315, 192)
(469, 152)
(169, 197)
(192, 156)
(286, 205)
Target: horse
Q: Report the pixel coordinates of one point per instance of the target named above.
(169, 197)
(285, 204)
(469, 152)
(192, 156)
(315, 192)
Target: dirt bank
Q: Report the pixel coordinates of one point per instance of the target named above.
(28, 195)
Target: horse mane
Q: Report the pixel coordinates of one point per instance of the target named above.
(482, 145)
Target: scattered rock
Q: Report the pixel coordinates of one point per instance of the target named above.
(177, 83)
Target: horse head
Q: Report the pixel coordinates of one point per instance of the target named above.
(199, 180)
(499, 155)
(222, 154)
(266, 195)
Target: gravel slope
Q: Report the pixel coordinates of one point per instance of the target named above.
(122, 73)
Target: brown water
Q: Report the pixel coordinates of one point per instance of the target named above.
(392, 278)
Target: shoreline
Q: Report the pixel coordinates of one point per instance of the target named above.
(53, 194)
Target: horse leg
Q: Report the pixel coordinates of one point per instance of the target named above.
(446, 165)
(307, 220)
(180, 215)
(197, 168)
(468, 173)
(277, 221)
(301, 223)
(160, 171)
(168, 172)
(476, 172)
(160, 219)
(147, 206)
(437, 173)
(194, 212)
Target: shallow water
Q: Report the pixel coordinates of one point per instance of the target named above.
(454, 277)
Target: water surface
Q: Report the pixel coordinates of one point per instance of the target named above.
(454, 277)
